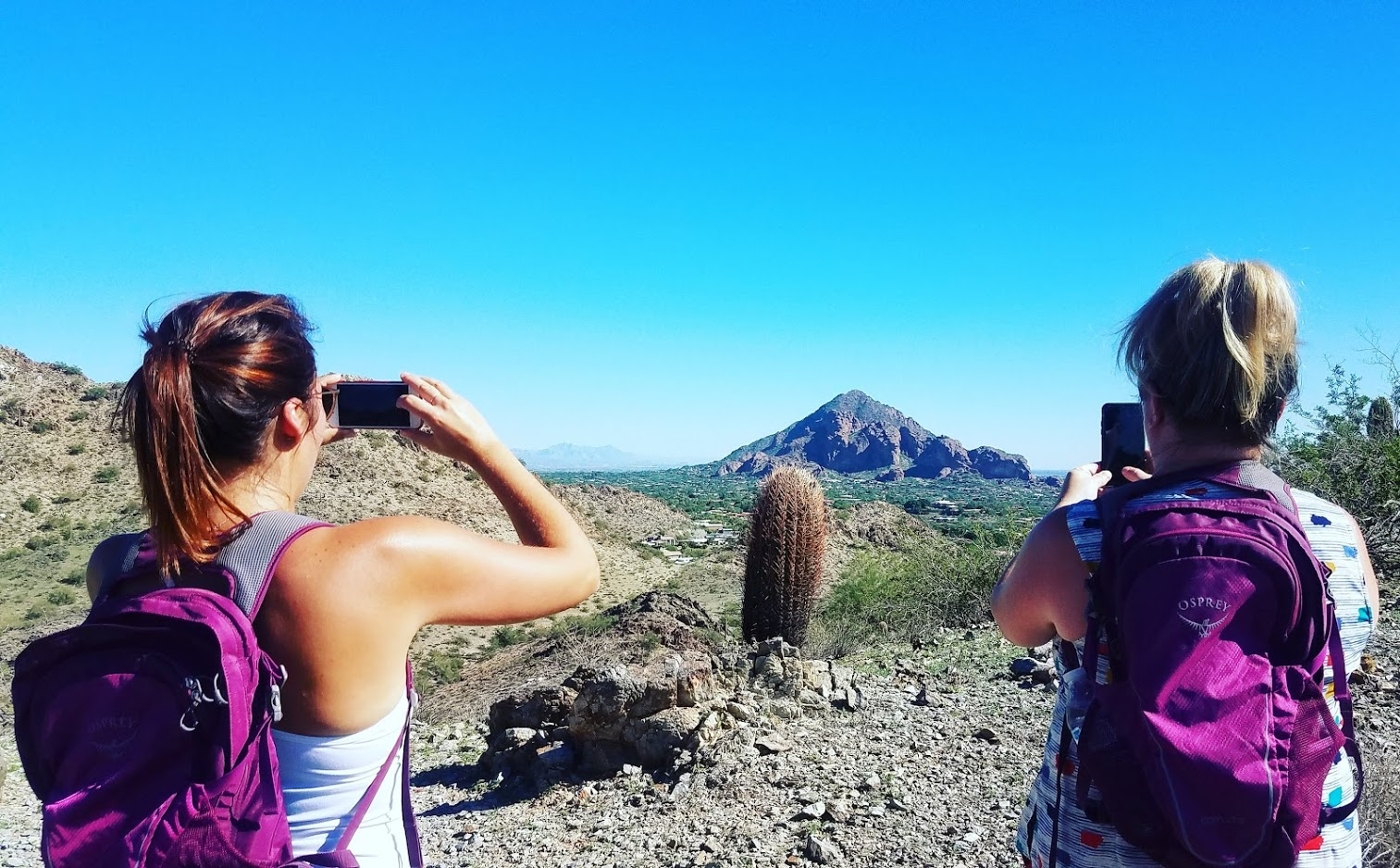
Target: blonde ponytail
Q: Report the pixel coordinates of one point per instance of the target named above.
(1218, 342)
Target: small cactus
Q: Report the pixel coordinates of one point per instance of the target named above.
(787, 539)
(1380, 422)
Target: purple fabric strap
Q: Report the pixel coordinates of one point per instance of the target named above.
(410, 822)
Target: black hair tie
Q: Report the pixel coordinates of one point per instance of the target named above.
(182, 344)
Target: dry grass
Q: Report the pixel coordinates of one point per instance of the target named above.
(1380, 803)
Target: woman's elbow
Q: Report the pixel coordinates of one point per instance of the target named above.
(587, 575)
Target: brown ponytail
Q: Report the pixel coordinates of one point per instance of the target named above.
(215, 375)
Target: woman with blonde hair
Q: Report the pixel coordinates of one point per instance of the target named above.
(227, 416)
(1214, 356)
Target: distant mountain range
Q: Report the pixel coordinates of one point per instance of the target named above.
(854, 433)
(567, 456)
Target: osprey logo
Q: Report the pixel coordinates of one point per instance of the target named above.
(112, 734)
(1203, 622)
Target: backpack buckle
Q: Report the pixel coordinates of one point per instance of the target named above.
(274, 699)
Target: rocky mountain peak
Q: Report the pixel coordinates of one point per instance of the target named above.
(855, 433)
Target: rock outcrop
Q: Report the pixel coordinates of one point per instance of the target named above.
(995, 464)
(698, 689)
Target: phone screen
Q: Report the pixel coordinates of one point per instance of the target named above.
(1123, 438)
(370, 405)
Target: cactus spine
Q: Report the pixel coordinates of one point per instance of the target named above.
(1380, 422)
(787, 539)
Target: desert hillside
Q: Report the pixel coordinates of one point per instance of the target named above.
(66, 481)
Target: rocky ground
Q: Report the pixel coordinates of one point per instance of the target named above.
(929, 769)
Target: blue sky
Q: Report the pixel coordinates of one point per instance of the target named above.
(676, 228)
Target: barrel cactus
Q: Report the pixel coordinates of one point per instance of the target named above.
(1380, 422)
(787, 539)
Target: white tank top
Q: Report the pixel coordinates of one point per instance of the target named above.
(324, 777)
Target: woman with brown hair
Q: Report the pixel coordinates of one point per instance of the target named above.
(227, 417)
(1214, 356)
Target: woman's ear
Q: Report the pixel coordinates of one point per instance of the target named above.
(294, 420)
(1154, 410)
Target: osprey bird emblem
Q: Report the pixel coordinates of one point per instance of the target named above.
(1202, 628)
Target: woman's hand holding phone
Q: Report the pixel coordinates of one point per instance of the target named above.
(1084, 483)
(452, 427)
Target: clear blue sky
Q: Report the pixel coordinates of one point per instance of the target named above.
(675, 228)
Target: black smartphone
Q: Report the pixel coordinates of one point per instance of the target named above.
(371, 404)
(1123, 438)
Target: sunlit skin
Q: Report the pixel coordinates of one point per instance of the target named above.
(1043, 594)
(346, 601)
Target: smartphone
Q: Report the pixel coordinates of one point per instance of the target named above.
(371, 404)
(1124, 439)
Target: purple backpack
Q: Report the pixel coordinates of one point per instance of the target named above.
(146, 730)
(1212, 737)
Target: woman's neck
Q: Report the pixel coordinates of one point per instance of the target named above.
(258, 490)
(1172, 456)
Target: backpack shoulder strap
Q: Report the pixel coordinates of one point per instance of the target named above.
(253, 555)
(1254, 476)
(116, 556)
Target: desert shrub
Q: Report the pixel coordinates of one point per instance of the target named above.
(66, 497)
(41, 427)
(106, 473)
(65, 368)
(77, 416)
(76, 577)
(1339, 461)
(34, 613)
(43, 540)
(913, 592)
(57, 522)
(30, 504)
(60, 597)
(439, 666)
(94, 393)
(580, 625)
(76, 449)
(508, 635)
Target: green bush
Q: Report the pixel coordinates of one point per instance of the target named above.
(1338, 461)
(34, 613)
(77, 415)
(43, 540)
(913, 592)
(66, 497)
(76, 577)
(76, 449)
(41, 427)
(30, 504)
(65, 368)
(94, 393)
(60, 597)
(107, 473)
(580, 625)
(440, 667)
(508, 635)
